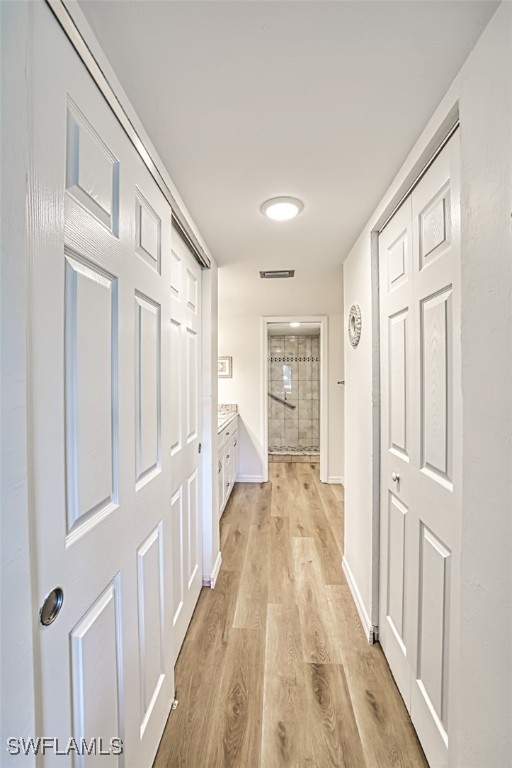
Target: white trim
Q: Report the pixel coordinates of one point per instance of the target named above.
(216, 570)
(324, 398)
(369, 630)
(211, 581)
(209, 439)
(336, 480)
(264, 390)
(251, 479)
(322, 320)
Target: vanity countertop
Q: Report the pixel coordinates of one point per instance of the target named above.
(226, 414)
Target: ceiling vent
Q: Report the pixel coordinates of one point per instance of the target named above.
(268, 273)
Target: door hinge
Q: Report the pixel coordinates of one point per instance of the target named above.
(199, 448)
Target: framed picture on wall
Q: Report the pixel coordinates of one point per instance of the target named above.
(225, 368)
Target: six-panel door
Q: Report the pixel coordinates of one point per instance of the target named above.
(106, 381)
(419, 261)
(185, 325)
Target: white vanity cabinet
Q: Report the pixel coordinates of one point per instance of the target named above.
(227, 460)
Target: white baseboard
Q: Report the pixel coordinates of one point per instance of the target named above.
(370, 631)
(336, 480)
(210, 581)
(216, 569)
(250, 479)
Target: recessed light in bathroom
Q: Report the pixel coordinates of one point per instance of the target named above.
(282, 208)
(294, 325)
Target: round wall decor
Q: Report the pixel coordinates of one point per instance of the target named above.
(354, 324)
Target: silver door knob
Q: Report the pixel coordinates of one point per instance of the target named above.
(395, 477)
(51, 606)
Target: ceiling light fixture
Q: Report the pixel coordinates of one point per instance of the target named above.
(294, 325)
(282, 208)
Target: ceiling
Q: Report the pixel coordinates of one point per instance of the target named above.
(284, 329)
(320, 100)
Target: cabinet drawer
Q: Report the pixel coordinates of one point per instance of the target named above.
(229, 450)
(227, 433)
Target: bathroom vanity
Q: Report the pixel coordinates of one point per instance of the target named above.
(227, 467)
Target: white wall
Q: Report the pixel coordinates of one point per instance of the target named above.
(483, 90)
(486, 335)
(358, 426)
(244, 298)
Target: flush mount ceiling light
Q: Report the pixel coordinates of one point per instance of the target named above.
(282, 208)
(294, 325)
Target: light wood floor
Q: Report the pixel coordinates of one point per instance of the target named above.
(275, 669)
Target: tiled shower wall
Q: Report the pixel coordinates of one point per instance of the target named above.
(294, 375)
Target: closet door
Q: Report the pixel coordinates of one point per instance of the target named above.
(396, 629)
(419, 253)
(104, 390)
(185, 328)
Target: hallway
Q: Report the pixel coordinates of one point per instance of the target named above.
(275, 669)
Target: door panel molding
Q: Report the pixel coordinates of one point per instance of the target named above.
(150, 160)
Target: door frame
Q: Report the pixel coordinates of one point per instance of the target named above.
(322, 320)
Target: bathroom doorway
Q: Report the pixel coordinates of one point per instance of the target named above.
(294, 397)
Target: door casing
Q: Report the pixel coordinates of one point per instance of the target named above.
(324, 392)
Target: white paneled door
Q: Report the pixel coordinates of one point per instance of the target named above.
(419, 265)
(115, 421)
(185, 324)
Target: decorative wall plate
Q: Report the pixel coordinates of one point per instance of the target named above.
(354, 324)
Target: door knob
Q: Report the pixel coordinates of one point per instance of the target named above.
(51, 606)
(395, 477)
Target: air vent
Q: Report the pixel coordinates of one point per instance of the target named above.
(277, 273)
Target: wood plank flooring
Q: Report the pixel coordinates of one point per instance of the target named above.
(275, 669)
